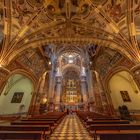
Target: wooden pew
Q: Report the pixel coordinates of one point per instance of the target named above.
(119, 135)
(51, 123)
(37, 127)
(95, 127)
(100, 119)
(21, 135)
(9, 118)
(84, 116)
(114, 127)
(102, 127)
(52, 116)
(107, 122)
(136, 117)
(105, 119)
(42, 119)
(44, 128)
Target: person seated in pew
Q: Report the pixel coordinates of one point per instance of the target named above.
(124, 113)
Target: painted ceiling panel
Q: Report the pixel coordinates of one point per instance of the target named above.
(32, 60)
(106, 60)
(21, 12)
(74, 24)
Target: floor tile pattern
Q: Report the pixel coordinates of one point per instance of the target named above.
(70, 129)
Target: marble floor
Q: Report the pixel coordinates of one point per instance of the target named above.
(70, 129)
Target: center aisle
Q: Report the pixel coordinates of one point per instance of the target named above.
(70, 129)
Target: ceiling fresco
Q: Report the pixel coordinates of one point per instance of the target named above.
(70, 58)
(32, 60)
(78, 25)
(107, 58)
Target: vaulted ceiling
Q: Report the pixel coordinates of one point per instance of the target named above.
(29, 26)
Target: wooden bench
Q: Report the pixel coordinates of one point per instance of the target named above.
(50, 123)
(9, 118)
(119, 134)
(54, 116)
(42, 119)
(107, 122)
(84, 116)
(45, 128)
(94, 128)
(114, 127)
(136, 116)
(24, 135)
(105, 118)
(50, 115)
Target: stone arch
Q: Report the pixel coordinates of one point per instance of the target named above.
(123, 89)
(72, 67)
(18, 84)
(116, 70)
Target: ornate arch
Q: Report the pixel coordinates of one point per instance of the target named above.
(22, 72)
(71, 67)
(116, 70)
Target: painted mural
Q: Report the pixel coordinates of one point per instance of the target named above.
(33, 61)
(106, 60)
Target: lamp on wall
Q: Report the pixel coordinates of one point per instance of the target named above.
(44, 100)
(49, 63)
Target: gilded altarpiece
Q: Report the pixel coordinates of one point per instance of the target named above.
(71, 92)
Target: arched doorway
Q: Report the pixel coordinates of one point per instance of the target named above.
(124, 91)
(16, 95)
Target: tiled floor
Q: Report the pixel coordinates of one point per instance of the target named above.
(70, 129)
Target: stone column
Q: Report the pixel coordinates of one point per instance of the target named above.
(58, 92)
(98, 102)
(46, 85)
(90, 90)
(42, 83)
(84, 91)
(102, 94)
(51, 82)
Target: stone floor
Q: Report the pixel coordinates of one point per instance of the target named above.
(70, 129)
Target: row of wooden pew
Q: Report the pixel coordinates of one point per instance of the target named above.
(109, 128)
(37, 127)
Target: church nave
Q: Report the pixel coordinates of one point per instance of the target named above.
(70, 128)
